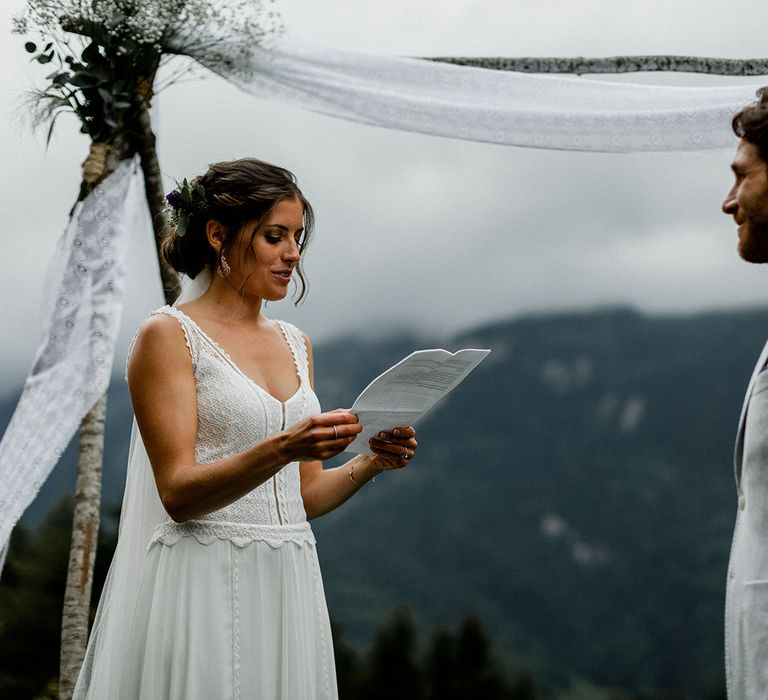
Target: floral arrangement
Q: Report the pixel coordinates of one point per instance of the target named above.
(183, 203)
(106, 53)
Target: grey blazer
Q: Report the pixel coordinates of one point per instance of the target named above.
(746, 604)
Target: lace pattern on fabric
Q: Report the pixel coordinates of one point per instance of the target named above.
(83, 301)
(320, 608)
(241, 534)
(235, 413)
(236, 624)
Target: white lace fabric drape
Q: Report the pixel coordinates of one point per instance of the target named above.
(500, 107)
(82, 307)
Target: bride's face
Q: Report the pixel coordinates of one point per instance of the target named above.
(264, 257)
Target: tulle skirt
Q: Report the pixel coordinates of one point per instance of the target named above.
(222, 620)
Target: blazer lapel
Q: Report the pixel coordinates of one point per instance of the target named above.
(739, 451)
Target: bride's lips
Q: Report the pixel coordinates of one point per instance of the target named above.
(282, 275)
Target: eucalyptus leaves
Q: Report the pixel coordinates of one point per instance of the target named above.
(106, 53)
(183, 203)
(86, 85)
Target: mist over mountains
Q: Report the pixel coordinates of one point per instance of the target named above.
(575, 493)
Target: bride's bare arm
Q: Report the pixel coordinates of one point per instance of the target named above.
(163, 394)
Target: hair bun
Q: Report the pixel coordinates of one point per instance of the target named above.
(187, 254)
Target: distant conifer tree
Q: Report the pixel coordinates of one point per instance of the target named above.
(394, 668)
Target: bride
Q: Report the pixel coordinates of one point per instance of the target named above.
(214, 590)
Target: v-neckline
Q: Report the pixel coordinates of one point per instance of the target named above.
(216, 346)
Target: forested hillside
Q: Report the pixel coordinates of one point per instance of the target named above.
(575, 494)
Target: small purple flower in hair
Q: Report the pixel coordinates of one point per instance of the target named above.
(174, 198)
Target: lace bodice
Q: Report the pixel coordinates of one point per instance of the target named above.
(234, 413)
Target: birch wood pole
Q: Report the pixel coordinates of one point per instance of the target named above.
(101, 161)
(615, 64)
(82, 553)
(85, 521)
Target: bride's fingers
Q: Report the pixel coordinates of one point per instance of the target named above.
(397, 453)
(397, 446)
(335, 417)
(389, 439)
(404, 432)
(342, 431)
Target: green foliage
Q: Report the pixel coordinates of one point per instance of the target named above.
(31, 592)
(104, 86)
(393, 668)
(51, 692)
(458, 666)
(107, 52)
(31, 595)
(462, 666)
(351, 670)
(183, 202)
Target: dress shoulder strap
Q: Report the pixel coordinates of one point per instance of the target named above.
(295, 339)
(188, 326)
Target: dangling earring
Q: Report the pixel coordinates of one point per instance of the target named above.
(224, 268)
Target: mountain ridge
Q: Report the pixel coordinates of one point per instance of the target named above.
(575, 493)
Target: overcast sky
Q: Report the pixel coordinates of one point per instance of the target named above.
(422, 231)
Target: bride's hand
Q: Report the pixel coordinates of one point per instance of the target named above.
(394, 449)
(321, 436)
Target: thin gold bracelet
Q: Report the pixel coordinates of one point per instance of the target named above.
(352, 476)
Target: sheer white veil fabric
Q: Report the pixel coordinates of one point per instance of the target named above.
(141, 513)
(477, 104)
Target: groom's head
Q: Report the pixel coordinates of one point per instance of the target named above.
(747, 200)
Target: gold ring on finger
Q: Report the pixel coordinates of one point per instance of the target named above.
(335, 434)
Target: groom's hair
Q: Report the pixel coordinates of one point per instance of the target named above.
(751, 123)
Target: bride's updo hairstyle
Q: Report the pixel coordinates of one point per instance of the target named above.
(234, 193)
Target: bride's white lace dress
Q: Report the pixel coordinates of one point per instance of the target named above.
(231, 605)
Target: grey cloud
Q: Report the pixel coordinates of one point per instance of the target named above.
(420, 231)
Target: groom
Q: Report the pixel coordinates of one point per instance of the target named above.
(746, 606)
